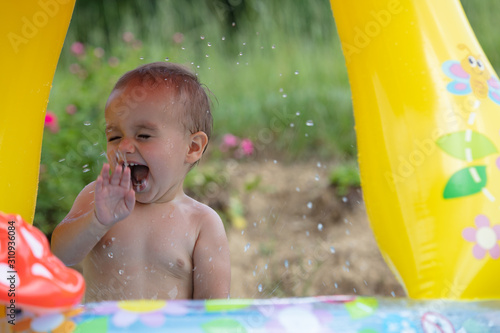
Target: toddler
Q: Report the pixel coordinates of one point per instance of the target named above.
(139, 235)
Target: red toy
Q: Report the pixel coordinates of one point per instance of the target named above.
(31, 277)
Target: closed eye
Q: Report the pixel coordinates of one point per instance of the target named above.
(144, 136)
(113, 138)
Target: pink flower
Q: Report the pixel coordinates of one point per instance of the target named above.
(230, 140)
(77, 48)
(485, 237)
(71, 109)
(51, 122)
(178, 37)
(247, 147)
(128, 37)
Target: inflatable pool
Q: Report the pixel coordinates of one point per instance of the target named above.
(286, 315)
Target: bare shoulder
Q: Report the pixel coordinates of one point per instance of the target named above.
(204, 216)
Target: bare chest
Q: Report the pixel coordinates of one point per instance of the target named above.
(144, 258)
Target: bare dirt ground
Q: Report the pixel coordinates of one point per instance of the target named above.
(301, 239)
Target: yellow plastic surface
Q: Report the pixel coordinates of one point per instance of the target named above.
(32, 33)
(428, 142)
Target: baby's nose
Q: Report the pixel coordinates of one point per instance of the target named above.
(126, 146)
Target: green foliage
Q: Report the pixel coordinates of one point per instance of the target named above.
(275, 69)
(345, 176)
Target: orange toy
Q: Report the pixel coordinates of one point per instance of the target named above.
(32, 278)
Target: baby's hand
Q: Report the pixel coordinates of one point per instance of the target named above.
(114, 196)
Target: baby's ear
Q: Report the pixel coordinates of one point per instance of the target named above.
(197, 143)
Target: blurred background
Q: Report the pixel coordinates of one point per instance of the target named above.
(281, 166)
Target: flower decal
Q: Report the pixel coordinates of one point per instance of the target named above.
(485, 236)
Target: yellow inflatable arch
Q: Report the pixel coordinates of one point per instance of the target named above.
(31, 38)
(427, 110)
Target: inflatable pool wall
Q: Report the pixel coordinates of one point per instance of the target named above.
(426, 104)
(32, 35)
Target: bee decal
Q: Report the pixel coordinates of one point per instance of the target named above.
(471, 76)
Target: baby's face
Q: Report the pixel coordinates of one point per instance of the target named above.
(144, 133)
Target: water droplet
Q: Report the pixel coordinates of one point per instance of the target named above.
(233, 24)
(254, 273)
(344, 199)
(297, 113)
(309, 123)
(167, 59)
(297, 189)
(87, 123)
(273, 47)
(275, 161)
(320, 227)
(260, 288)
(332, 249)
(310, 205)
(120, 272)
(202, 37)
(265, 266)
(307, 233)
(103, 246)
(206, 56)
(240, 54)
(347, 232)
(286, 263)
(209, 44)
(285, 95)
(347, 263)
(110, 254)
(316, 178)
(86, 170)
(62, 160)
(292, 125)
(393, 294)
(210, 259)
(296, 73)
(336, 285)
(318, 165)
(223, 38)
(141, 58)
(247, 247)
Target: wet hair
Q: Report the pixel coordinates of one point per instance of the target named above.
(181, 84)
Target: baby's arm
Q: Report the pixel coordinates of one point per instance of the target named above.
(97, 208)
(212, 266)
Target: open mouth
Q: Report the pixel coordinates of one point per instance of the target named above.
(139, 176)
